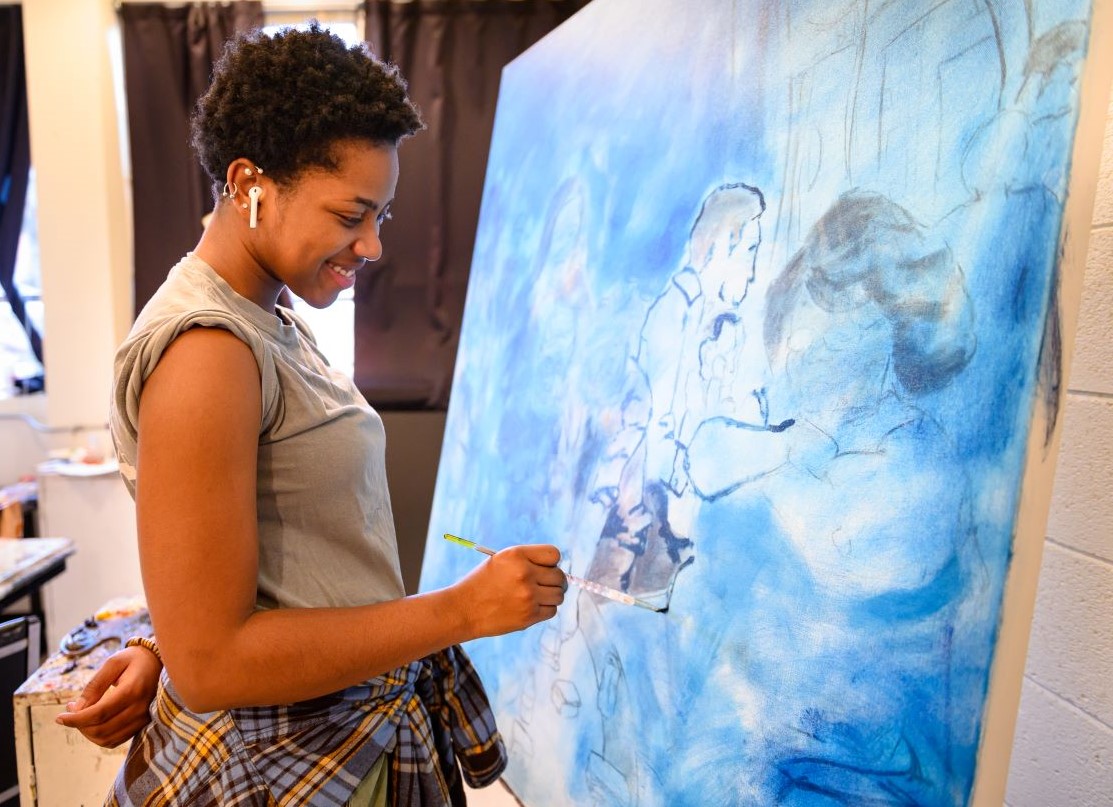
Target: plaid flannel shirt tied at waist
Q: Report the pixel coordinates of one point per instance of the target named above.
(428, 716)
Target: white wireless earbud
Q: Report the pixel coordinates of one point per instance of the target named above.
(253, 194)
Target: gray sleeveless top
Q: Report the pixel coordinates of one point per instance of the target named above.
(326, 531)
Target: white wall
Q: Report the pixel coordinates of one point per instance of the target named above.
(23, 445)
(84, 229)
(1063, 753)
(83, 213)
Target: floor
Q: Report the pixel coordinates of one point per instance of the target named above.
(494, 796)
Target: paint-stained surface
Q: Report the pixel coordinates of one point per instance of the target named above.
(753, 328)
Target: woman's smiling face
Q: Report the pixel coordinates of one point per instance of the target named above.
(323, 227)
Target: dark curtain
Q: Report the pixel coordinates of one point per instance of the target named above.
(169, 54)
(407, 318)
(15, 159)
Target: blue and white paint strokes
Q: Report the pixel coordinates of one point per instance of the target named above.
(753, 331)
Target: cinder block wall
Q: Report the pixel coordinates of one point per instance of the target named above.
(1063, 752)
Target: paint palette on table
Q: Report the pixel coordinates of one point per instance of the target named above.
(763, 327)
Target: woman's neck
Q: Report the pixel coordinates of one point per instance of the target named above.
(222, 248)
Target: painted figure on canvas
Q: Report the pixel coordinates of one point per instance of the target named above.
(686, 369)
(855, 335)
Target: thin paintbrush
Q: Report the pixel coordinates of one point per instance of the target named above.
(587, 585)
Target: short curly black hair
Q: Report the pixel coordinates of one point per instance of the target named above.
(284, 101)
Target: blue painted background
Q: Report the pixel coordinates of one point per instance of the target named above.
(798, 418)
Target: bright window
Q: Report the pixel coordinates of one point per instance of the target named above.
(17, 360)
(334, 327)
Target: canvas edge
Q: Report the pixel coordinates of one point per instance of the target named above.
(578, 13)
(1019, 597)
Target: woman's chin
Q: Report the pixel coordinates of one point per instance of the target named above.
(318, 300)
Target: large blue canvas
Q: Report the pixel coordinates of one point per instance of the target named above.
(754, 333)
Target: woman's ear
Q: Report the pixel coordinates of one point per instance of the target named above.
(243, 180)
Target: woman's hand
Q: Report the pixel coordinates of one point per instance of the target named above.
(514, 589)
(115, 704)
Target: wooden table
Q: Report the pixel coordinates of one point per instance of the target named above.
(25, 565)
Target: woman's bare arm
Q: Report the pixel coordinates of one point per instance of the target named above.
(199, 424)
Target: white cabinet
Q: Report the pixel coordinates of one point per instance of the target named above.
(96, 512)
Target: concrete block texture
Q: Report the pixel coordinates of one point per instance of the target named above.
(1062, 757)
(1103, 202)
(1092, 365)
(1063, 749)
(1071, 647)
(1081, 507)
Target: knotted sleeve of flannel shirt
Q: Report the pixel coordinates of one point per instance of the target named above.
(449, 729)
(460, 702)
